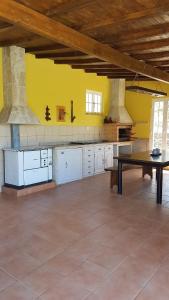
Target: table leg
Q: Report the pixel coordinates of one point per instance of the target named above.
(159, 177)
(119, 177)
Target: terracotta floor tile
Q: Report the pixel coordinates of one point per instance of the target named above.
(64, 263)
(17, 292)
(5, 280)
(21, 265)
(89, 275)
(42, 279)
(108, 257)
(66, 291)
(40, 248)
(157, 288)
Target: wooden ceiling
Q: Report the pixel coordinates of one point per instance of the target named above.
(113, 38)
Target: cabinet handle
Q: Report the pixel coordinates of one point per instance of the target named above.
(35, 158)
(62, 152)
(66, 164)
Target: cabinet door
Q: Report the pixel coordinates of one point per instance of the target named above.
(69, 165)
(74, 163)
(108, 156)
(61, 172)
(99, 159)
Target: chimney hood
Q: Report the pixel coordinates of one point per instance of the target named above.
(118, 111)
(15, 110)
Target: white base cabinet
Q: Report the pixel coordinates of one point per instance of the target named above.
(96, 158)
(99, 159)
(108, 156)
(68, 165)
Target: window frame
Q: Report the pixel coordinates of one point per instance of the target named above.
(93, 92)
(164, 124)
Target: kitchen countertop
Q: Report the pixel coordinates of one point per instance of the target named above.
(64, 145)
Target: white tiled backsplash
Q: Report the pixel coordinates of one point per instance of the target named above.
(39, 134)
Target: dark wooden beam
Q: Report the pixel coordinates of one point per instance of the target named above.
(159, 63)
(128, 17)
(114, 74)
(60, 56)
(100, 65)
(152, 55)
(67, 6)
(77, 61)
(42, 49)
(146, 45)
(131, 78)
(35, 22)
(140, 33)
(107, 71)
(16, 41)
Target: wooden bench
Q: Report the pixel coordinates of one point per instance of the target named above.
(146, 170)
(114, 175)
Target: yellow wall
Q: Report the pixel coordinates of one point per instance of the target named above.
(52, 85)
(139, 106)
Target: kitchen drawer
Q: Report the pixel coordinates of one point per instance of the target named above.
(31, 160)
(108, 148)
(99, 148)
(35, 176)
(88, 171)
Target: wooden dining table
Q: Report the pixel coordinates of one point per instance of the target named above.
(145, 159)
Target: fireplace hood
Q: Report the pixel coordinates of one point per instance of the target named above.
(15, 110)
(118, 112)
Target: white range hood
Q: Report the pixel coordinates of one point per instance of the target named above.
(15, 110)
(118, 111)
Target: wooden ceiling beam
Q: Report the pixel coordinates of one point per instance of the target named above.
(60, 56)
(68, 6)
(128, 78)
(145, 45)
(139, 33)
(147, 12)
(159, 63)
(107, 70)
(37, 23)
(152, 55)
(42, 49)
(16, 41)
(77, 61)
(99, 65)
(114, 73)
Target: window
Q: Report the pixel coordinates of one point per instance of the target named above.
(160, 124)
(93, 102)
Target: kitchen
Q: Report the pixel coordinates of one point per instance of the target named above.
(72, 159)
(67, 112)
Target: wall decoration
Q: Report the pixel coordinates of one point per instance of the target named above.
(60, 113)
(47, 114)
(72, 116)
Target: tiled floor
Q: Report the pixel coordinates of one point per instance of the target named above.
(83, 241)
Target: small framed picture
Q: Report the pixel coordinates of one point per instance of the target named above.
(60, 113)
